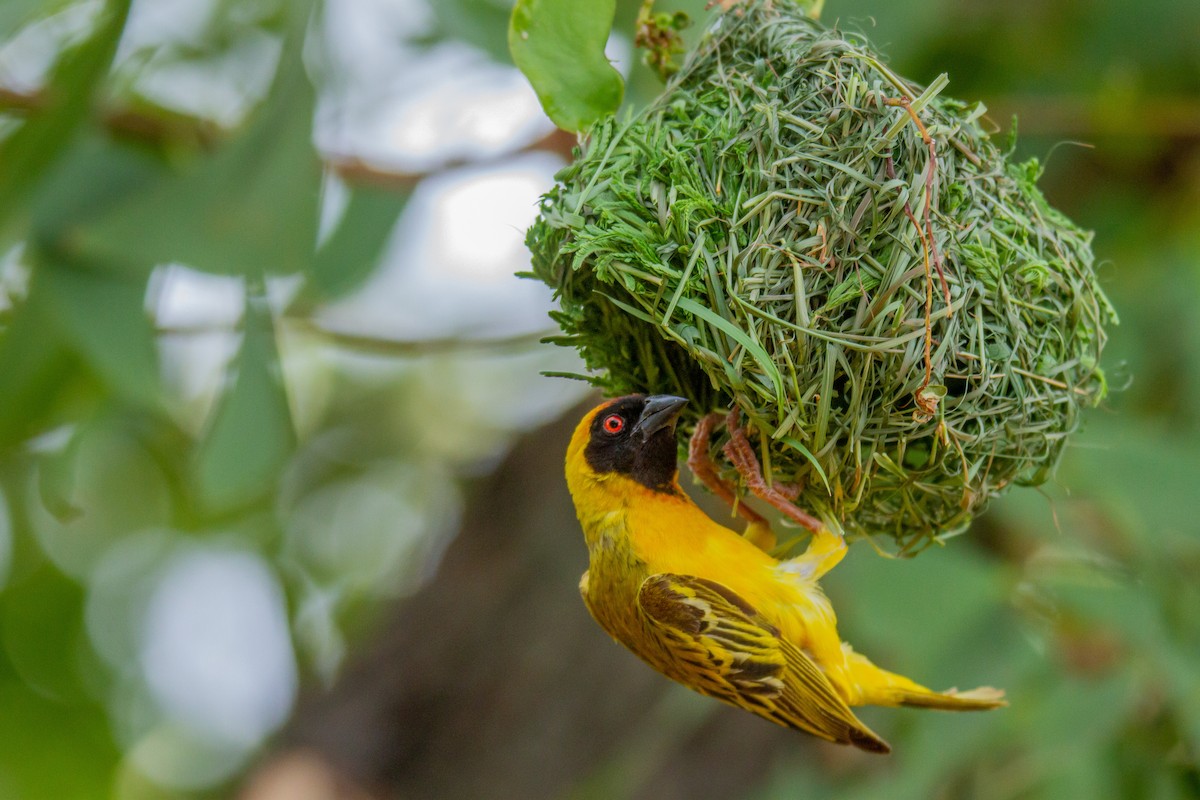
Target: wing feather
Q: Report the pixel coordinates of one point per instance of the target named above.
(717, 643)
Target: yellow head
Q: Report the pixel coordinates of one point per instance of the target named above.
(622, 448)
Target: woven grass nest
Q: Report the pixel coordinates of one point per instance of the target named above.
(906, 325)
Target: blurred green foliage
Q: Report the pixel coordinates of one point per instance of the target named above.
(1081, 603)
(109, 466)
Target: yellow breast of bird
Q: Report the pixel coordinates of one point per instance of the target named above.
(658, 533)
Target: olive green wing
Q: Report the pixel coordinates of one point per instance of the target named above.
(717, 643)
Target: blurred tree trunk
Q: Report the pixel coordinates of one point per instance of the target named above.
(493, 682)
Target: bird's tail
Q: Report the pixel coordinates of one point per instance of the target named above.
(981, 699)
(882, 688)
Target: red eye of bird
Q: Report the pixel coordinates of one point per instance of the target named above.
(614, 423)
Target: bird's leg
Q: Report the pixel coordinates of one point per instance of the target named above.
(758, 530)
(739, 451)
(826, 548)
(701, 465)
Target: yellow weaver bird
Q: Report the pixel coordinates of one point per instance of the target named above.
(709, 607)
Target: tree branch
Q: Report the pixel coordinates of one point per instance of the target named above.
(381, 346)
(160, 127)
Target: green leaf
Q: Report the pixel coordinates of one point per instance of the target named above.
(103, 487)
(74, 318)
(26, 154)
(32, 728)
(35, 364)
(559, 45)
(477, 22)
(15, 14)
(57, 481)
(104, 321)
(251, 436)
(96, 175)
(42, 627)
(353, 250)
(248, 209)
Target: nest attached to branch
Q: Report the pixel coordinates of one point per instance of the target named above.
(792, 227)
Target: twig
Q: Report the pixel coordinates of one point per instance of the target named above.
(930, 175)
(926, 403)
(375, 345)
(159, 126)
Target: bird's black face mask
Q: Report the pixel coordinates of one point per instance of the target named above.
(635, 436)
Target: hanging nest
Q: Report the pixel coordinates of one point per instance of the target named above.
(792, 227)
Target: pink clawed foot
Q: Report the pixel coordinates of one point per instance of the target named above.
(701, 465)
(741, 454)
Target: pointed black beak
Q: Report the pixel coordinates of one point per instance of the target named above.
(661, 411)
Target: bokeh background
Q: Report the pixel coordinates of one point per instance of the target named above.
(281, 508)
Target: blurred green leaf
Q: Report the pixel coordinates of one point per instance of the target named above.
(56, 482)
(251, 436)
(1085, 775)
(1051, 715)
(14, 14)
(42, 625)
(104, 319)
(1179, 665)
(26, 154)
(74, 318)
(481, 23)
(1138, 472)
(353, 250)
(250, 208)
(94, 176)
(559, 45)
(115, 486)
(34, 729)
(1126, 609)
(35, 363)
(939, 599)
